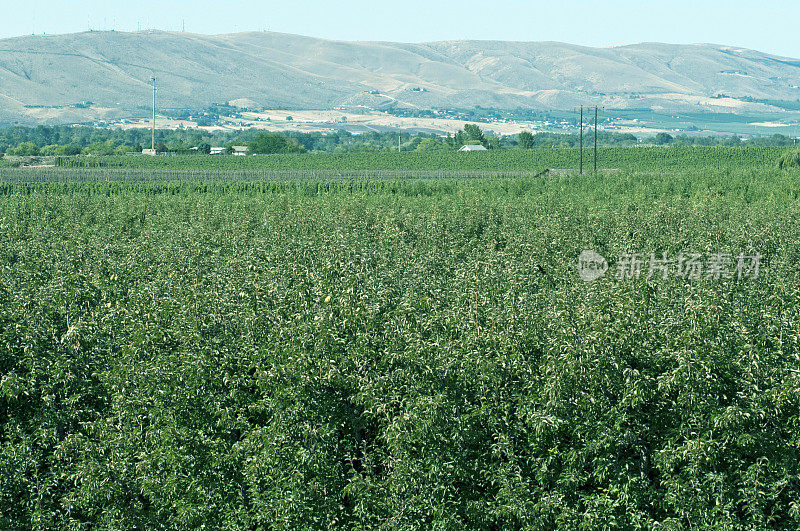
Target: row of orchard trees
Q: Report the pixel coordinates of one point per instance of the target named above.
(108, 142)
(356, 354)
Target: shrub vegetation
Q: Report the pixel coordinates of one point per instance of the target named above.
(404, 353)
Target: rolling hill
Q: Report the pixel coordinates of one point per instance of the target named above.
(104, 75)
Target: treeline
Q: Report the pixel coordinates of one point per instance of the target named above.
(776, 140)
(70, 140)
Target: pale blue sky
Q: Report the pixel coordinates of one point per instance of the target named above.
(765, 25)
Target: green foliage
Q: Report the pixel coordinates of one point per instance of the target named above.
(526, 140)
(67, 151)
(49, 150)
(433, 144)
(100, 148)
(662, 139)
(182, 140)
(408, 353)
(677, 158)
(272, 143)
(82, 137)
(25, 149)
(474, 135)
(790, 159)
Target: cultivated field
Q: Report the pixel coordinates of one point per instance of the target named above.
(290, 349)
(643, 159)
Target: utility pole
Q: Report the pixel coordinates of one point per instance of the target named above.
(400, 142)
(581, 139)
(595, 140)
(582, 107)
(153, 143)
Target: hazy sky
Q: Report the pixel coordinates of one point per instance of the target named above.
(766, 25)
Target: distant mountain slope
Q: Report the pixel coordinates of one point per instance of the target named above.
(42, 78)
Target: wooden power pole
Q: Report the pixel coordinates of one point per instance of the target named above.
(595, 140)
(581, 139)
(153, 142)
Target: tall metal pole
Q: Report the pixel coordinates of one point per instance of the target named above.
(153, 143)
(581, 139)
(595, 139)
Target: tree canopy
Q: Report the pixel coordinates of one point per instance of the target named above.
(271, 143)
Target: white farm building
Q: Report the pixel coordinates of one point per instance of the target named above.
(473, 148)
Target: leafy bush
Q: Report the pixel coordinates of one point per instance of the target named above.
(649, 159)
(401, 353)
(100, 148)
(790, 159)
(48, 150)
(271, 143)
(67, 150)
(526, 140)
(25, 149)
